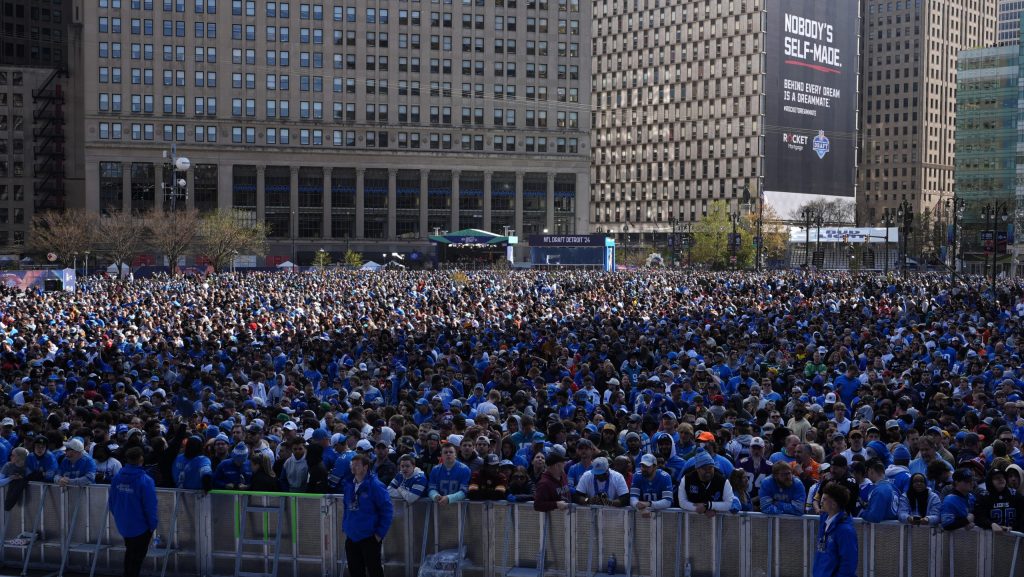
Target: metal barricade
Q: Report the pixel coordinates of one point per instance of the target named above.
(204, 535)
(301, 541)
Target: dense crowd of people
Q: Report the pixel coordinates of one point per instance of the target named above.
(786, 393)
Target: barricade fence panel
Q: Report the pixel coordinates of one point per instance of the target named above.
(224, 533)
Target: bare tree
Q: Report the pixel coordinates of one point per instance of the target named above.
(223, 235)
(63, 233)
(172, 233)
(121, 236)
(832, 212)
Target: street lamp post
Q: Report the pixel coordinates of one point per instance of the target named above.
(178, 185)
(675, 239)
(993, 213)
(818, 220)
(957, 205)
(905, 218)
(887, 222)
(807, 214)
(733, 240)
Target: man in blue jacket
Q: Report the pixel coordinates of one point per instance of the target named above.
(837, 549)
(77, 469)
(782, 493)
(368, 515)
(884, 500)
(132, 500)
(957, 509)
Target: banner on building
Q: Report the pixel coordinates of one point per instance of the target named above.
(810, 100)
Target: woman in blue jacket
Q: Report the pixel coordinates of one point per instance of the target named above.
(837, 549)
(920, 505)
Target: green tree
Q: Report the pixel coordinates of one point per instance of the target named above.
(711, 238)
(353, 259)
(322, 258)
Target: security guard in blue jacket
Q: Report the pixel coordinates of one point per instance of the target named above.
(368, 515)
(837, 550)
(132, 500)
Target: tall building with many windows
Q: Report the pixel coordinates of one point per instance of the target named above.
(1009, 22)
(677, 110)
(908, 102)
(366, 125)
(36, 105)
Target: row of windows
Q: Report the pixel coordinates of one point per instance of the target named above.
(311, 11)
(347, 138)
(140, 76)
(146, 104)
(346, 112)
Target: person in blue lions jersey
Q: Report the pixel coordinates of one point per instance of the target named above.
(652, 488)
(449, 480)
(410, 483)
(782, 493)
(132, 501)
(837, 548)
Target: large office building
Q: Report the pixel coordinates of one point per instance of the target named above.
(908, 101)
(343, 125)
(988, 168)
(35, 105)
(1009, 22)
(697, 102)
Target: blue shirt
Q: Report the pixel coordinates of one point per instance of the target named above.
(954, 510)
(47, 465)
(189, 473)
(883, 503)
(341, 473)
(416, 484)
(779, 500)
(231, 473)
(658, 491)
(81, 472)
(447, 482)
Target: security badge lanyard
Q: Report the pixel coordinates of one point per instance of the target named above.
(823, 539)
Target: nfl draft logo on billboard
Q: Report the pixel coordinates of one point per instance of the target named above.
(821, 144)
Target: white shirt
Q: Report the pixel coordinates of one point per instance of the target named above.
(614, 486)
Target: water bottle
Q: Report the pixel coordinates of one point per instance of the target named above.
(612, 564)
(156, 541)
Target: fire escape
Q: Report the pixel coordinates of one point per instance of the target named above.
(48, 135)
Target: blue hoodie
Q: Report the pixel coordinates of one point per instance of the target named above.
(881, 451)
(883, 503)
(132, 500)
(46, 465)
(368, 509)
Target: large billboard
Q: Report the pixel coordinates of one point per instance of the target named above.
(810, 100)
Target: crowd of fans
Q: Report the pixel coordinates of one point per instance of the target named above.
(900, 399)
